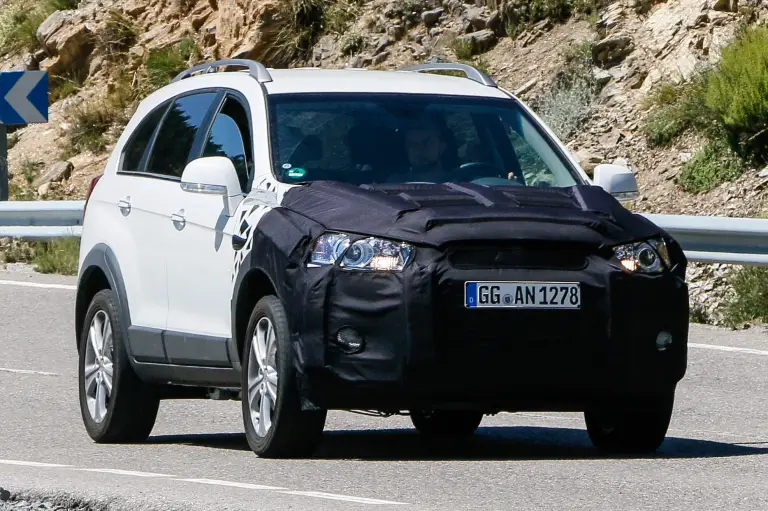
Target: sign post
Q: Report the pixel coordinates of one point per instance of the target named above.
(23, 100)
(3, 163)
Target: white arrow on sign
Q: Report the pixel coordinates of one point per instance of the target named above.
(17, 98)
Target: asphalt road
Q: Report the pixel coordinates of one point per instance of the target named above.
(715, 457)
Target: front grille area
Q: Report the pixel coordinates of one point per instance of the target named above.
(537, 346)
(523, 255)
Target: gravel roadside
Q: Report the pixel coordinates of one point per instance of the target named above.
(11, 502)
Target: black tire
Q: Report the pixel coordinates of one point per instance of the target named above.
(441, 424)
(294, 433)
(639, 429)
(132, 406)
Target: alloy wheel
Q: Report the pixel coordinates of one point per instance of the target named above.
(99, 366)
(262, 377)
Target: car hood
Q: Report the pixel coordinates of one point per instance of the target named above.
(437, 214)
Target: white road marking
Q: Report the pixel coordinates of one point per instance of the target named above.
(32, 464)
(37, 284)
(26, 371)
(728, 348)
(333, 496)
(247, 486)
(123, 472)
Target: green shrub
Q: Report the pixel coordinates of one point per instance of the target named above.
(90, 123)
(728, 104)
(118, 35)
(61, 5)
(679, 108)
(295, 28)
(711, 166)
(92, 120)
(572, 96)
(63, 86)
(20, 20)
(351, 43)
(750, 303)
(184, 6)
(22, 189)
(698, 314)
(340, 14)
(18, 27)
(58, 256)
(738, 91)
(407, 12)
(462, 48)
(518, 14)
(164, 64)
(17, 252)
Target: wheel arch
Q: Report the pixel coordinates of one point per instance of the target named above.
(252, 287)
(99, 271)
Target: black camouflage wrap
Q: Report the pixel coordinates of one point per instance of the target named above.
(423, 347)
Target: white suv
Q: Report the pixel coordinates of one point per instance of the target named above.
(391, 241)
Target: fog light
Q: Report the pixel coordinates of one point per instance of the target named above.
(349, 340)
(663, 341)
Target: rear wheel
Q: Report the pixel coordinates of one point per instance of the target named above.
(116, 406)
(446, 423)
(275, 424)
(638, 427)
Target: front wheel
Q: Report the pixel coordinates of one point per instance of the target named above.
(638, 427)
(275, 424)
(446, 423)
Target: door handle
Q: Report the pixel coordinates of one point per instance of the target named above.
(125, 206)
(179, 220)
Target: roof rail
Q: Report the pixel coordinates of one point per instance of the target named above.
(471, 72)
(257, 70)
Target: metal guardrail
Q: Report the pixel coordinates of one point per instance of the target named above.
(41, 220)
(706, 239)
(717, 239)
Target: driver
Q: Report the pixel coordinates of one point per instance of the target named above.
(425, 146)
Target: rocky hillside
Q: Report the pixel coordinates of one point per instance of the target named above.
(609, 76)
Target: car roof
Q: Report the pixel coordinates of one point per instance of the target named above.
(323, 80)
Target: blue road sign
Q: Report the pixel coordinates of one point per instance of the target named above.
(23, 97)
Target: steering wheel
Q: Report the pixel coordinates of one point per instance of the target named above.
(483, 173)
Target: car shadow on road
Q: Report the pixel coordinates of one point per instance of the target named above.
(489, 443)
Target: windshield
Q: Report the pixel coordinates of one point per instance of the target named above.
(396, 138)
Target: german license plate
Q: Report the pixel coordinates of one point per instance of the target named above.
(522, 295)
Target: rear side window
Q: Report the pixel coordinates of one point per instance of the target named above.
(137, 146)
(173, 145)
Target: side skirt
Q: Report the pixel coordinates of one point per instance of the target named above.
(200, 363)
(199, 376)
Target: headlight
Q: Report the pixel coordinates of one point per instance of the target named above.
(365, 254)
(649, 256)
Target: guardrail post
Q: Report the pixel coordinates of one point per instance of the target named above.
(3, 163)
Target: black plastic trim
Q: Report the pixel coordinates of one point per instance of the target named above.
(188, 375)
(102, 257)
(196, 350)
(147, 344)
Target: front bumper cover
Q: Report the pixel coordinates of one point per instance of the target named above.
(423, 348)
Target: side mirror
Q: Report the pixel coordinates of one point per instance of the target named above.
(213, 175)
(617, 180)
